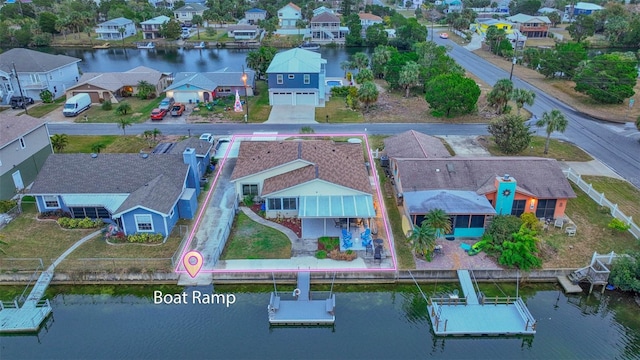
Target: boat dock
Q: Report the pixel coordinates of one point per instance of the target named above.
(302, 307)
(28, 317)
(568, 286)
(475, 315)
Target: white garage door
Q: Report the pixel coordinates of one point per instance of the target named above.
(185, 96)
(282, 98)
(305, 98)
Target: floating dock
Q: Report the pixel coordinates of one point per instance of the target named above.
(568, 286)
(475, 315)
(302, 307)
(30, 316)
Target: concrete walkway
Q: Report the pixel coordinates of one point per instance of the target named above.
(593, 167)
(475, 43)
(292, 114)
(467, 146)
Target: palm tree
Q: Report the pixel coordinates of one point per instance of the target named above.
(156, 132)
(423, 239)
(123, 108)
(145, 90)
(59, 142)
(97, 147)
(197, 20)
(360, 61)
(368, 94)
(123, 123)
(438, 220)
(121, 30)
(554, 121)
(522, 97)
(345, 66)
(499, 95)
(300, 24)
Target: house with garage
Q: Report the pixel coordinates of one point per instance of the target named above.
(254, 15)
(110, 30)
(140, 193)
(36, 72)
(24, 147)
(114, 86)
(186, 13)
(318, 181)
(151, 28)
(242, 31)
(192, 88)
(297, 77)
(531, 26)
(288, 15)
(325, 28)
(473, 190)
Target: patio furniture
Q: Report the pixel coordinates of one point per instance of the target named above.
(347, 243)
(338, 223)
(366, 241)
(559, 223)
(377, 254)
(378, 241)
(438, 250)
(346, 235)
(571, 230)
(368, 248)
(465, 246)
(366, 235)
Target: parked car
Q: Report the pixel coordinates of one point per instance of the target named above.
(166, 103)
(207, 137)
(444, 35)
(17, 102)
(158, 114)
(177, 109)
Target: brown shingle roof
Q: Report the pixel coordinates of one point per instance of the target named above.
(369, 16)
(13, 127)
(414, 145)
(538, 176)
(338, 163)
(296, 7)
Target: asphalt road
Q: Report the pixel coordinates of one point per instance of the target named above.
(607, 142)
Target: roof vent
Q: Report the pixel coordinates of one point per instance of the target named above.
(94, 155)
(144, 155)
(437, 170)
(451, 168)
(506, 177)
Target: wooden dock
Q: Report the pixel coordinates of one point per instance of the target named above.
(474, 315)
(568, 286)
(30, 316)
(302, 307)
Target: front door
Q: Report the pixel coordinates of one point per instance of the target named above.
(17, 180)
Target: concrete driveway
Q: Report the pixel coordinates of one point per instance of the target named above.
(292, 114)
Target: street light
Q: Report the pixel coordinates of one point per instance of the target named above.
(515, 53)
(246, 95)
(513, 63)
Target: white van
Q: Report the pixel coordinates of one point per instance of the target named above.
(77, 104)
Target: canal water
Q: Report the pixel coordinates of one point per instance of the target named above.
(179, 60)
(390, 324)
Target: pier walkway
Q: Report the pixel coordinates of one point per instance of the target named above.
(28, 317)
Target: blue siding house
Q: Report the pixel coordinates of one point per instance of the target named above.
(297, 77)
(137, 192)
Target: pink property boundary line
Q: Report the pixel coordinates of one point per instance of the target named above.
(382, 206)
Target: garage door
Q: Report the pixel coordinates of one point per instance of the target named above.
(95, 97)
(305, 98)
(185, 96)
(282, 98)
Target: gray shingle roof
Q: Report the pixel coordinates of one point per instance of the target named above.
(158, 20)
(191, 7)
(413, 144)
(201, 146)
(211, 80)
(13, 127)
(538, 176)
(30, 61)
(451, 201)
(155, 182)
(325, 16)
(113, 81)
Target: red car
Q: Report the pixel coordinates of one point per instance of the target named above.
(158, 114)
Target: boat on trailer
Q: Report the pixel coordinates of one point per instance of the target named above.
(148, 45)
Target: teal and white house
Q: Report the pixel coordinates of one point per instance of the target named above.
(137, 192)
(317, 181)
(190, 87)
(297, 77)
(110, 30)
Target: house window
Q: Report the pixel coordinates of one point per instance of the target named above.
(289, 204)
(249, 189)
(546, 208)
(35, 78)
(477, 221)
(143, 223)
(51, 202)
(518, 207)
(307, 79)
(291, 76)
(462, 221)
(22, 144)
(280, 79)
(275, 204)
(280, 14)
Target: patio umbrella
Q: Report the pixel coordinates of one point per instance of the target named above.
(237, 107)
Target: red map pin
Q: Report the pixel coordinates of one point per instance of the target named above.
(192, 262)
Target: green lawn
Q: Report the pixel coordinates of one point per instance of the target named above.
(140, 111)
(619, 192)
(259, 107)
(43, 109)
(337, 110)
(250, 240)
(558, 149)
(114, 144)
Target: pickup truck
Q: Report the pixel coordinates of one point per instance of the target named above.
(177, 109)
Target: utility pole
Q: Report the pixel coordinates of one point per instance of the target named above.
(246, 95)
(15, 73)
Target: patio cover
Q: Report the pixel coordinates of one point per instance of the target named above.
(451, 201)
(338, 206)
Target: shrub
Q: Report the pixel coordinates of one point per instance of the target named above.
(145, 238)
(106, 105)
(530, 221)
(46, 96)
(503, 227)
(328, 243)
(618, 225)
(248, 200)
(86, 223)
(343, 91)
(348, 255)
(625, 273)
(321, 254)
(6, 205)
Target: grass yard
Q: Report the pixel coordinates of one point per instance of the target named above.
(559, 150)
(562, 251)
(337, 110)
(140, 111)
(114, 143)
(27, 237)
(82, 39)
(250, 240)
(43, 109)
(619, 192)
(259, 108)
